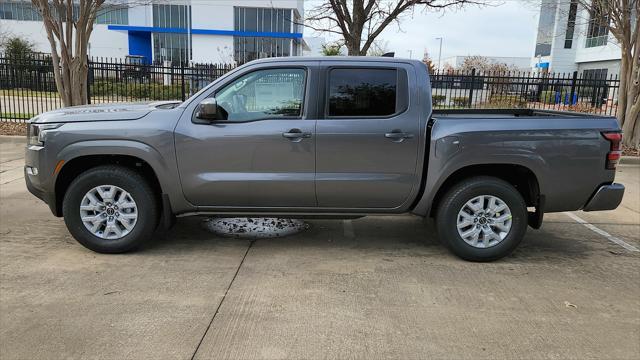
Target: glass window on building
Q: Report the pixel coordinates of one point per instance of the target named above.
(545, 27)
(171, 46)
(113, 14)
(571, 24)
(598, 32)
(247, 48)
(25, 11)
(18, 10)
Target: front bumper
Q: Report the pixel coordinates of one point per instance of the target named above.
(608, 197)
(39, 183)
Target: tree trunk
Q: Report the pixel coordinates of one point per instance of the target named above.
(629, 97)
(631, 109)
(623, 93)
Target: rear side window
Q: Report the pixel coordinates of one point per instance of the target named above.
(362, 92)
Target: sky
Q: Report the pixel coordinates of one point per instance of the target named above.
(507, 28)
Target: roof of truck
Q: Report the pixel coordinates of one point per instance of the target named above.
(333, 58)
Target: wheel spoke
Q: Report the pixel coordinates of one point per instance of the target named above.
(126, 224)
(90, 207)
(95, 226)
(126, 205)
(472, 233)
(492, 204)
(116, 230)
(502, 219)
(127, 216)
(502, 227)
(477, 204)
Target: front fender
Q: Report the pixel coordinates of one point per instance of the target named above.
(163, 167)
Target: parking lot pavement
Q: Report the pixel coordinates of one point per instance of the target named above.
(369, 288)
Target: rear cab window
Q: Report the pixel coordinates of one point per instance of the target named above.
(366, 92)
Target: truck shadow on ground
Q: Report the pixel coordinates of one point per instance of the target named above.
(395, 236)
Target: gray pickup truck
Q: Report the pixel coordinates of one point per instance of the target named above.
(333, 137)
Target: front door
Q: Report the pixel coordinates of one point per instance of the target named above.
(368, 140)
(261, 153)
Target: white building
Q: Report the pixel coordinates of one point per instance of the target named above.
(203, 31)
(571, 39)
(515, 62)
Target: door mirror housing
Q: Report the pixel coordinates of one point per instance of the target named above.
(208, 110)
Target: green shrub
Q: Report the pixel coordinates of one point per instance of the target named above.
(548, 97)
(137, 91)
(438, 99)
(460, 101)
(507, 101)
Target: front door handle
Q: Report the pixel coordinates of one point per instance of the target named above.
(296, 135)
(398, 136)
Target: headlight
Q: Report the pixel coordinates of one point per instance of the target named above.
(37, 133)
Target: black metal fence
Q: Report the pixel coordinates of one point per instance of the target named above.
(555, 91)
(27, 86)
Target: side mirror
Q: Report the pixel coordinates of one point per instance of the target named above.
(208, 109)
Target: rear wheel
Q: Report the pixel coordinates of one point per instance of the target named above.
(110, 209)
(482, 219)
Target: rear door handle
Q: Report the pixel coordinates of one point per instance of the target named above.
(398, 136)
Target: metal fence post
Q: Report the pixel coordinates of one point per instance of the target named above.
(182, 80)
(88, 80)
(573, 88)
(473, 83)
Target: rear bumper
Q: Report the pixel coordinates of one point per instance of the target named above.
(608, 197)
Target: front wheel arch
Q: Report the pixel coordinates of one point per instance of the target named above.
(76, 166)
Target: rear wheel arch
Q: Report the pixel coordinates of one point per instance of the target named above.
(72, 168)
(521, 177)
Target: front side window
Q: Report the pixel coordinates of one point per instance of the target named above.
(264, 94)
(362, 92)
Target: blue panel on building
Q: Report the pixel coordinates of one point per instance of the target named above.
(150, 29)
(544, 65)
(140, 44)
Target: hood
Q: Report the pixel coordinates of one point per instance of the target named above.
(103, 112)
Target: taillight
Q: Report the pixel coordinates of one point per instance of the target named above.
(613, 156)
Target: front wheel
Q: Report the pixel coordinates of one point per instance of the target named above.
(110, 209)
(482, 219)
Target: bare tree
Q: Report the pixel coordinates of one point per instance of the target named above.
(69, 25)
(621, 17)
(360, 22)
(378, 48)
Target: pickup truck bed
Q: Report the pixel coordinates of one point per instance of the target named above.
(509, 113)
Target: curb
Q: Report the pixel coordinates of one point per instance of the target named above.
(630, 160)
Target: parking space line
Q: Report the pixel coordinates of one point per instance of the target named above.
(609, 237)
(348, 229)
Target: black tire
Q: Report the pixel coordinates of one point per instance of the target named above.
(130, 181)
(456, 197)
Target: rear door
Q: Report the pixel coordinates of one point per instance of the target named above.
(367, 141)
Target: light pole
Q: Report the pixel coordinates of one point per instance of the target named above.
(440, 53)
(410, 53)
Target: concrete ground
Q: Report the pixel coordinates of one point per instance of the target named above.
(369, 288)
